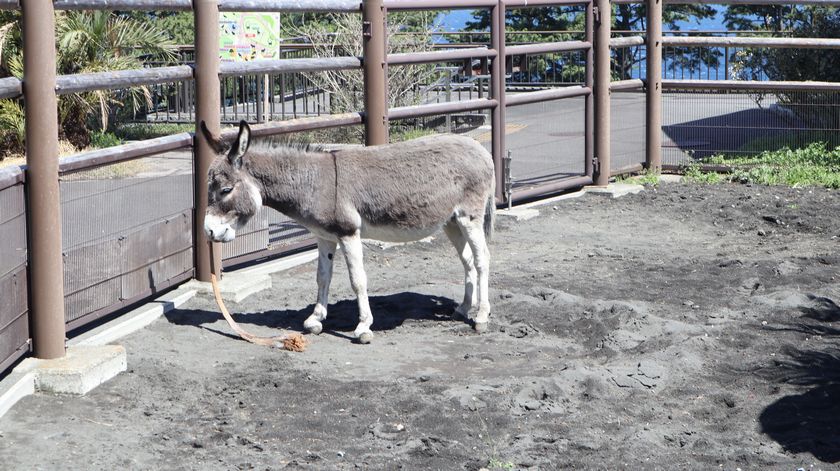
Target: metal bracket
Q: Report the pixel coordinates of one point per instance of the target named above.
(508, 181)
(596, 14)
(367, 31)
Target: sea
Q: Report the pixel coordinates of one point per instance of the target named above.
(455, 20)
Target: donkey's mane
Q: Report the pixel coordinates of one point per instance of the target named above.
(281, 145)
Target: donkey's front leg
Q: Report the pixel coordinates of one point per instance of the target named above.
(326, 252)
(352, 247)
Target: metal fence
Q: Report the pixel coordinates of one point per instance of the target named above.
(741, 123)
(14, 309)
(126, 233)
(109, 227)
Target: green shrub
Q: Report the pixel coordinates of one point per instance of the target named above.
(102, 139)
(409, 134)
(816, 164)
(12, 128)
(695, 174)
(141, 131)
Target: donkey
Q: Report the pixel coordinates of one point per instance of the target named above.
(397, 192)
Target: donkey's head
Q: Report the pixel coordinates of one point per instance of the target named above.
(233, 196)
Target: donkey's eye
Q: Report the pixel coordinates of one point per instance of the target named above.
(226, 190)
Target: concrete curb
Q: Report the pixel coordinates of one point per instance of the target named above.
(615, 190)
(518, 213)
(234, 287)
(134, 320)
(15, 387)
(552, 200)
(530, 210)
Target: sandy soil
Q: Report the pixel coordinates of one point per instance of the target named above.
(688, 327)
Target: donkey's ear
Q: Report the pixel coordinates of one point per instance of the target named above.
(240, 146)
(214, 141)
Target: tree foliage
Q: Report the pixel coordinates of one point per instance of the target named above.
(566, 23)
(87, 42)
(335, 35)
(817, 109)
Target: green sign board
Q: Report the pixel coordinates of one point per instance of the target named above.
(249, 36)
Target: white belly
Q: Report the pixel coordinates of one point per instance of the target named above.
(396, 234)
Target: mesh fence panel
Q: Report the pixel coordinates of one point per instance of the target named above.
(14, 309)
(704, 124)
(267, 231)
(627, 122)
(546, 140)
(126, 230)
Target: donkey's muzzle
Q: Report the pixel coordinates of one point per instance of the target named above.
(217, 230)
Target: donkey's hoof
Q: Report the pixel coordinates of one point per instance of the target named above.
(365, 337)
(458, 314)
(313, 327)
(480, 327)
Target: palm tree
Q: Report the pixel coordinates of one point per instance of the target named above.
(103, 41)
(98, 41)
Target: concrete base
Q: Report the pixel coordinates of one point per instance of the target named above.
(668, 178)
(80, 370)
(518, 213)
(234, 286)
(615, 190)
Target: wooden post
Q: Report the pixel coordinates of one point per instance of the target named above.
(207, 109)
(602, 21)
(375, 71)
(653, 98)
(46, 267)
(497, 91)
(589, 103)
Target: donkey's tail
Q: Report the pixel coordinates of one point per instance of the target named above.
(489, 216)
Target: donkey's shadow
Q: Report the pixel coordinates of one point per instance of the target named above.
(389, 312)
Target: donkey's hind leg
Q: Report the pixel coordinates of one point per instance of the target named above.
(326, 252)
(473, 230)
(470, 275)
(352, 247)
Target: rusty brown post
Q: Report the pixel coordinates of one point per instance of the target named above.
(46, 268)
(653, 125)
(375, 72)
(207, 109)
(497, 91)
(602, 13)
(589, 103)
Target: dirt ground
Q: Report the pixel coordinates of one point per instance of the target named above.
(687, 327)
